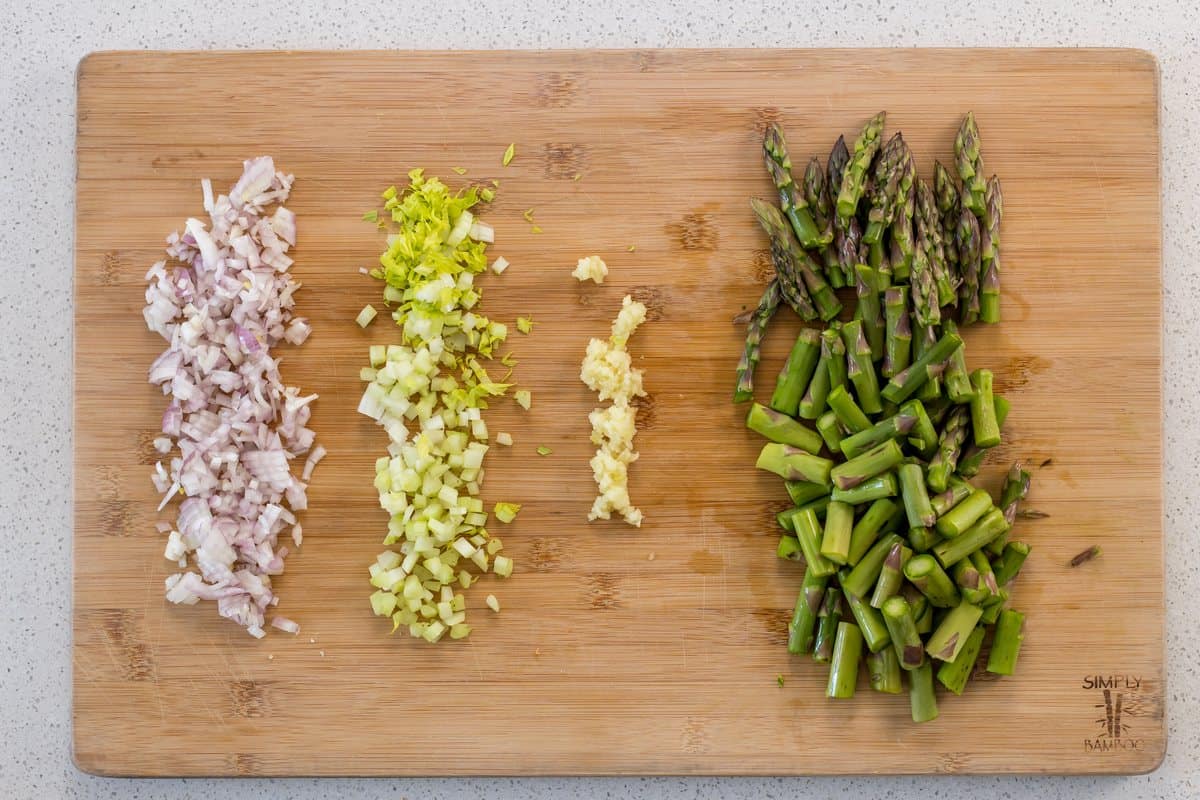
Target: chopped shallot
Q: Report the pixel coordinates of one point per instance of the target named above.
(223, 301)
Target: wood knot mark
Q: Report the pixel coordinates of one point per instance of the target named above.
(774, 622)
(954, 762)
(563, 161)
(248, 699)
(764, 117)
(653, 298)
(695, 736)
(604, 590)
(146, 452)
(110, 269)
(127, 648)
(545, 555)
(645, 60)
(116, 518)
(558, 89)
(695, 232)
(246, 764)
(645, 413)
(761, 266)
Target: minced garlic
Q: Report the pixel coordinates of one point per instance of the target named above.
(592, 267)
(609, 371)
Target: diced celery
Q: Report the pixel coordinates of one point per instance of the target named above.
(506, 512)
(502, 566)
(384, 603)
(524, 398)
(493, 603)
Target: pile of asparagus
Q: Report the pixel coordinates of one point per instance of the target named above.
(902, 553)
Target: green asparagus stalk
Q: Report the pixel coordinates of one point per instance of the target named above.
(969, 242)
(902, 631)
(921, 696)
(791, 199)
(809, 534)
(894, 427)
(854, 175)
(916, 498)
(1006, 644)
(816, 194)
(839, 523)
(972, 457)
(868, 528)
(929, 238)
(831, 431)
(965, 514)
(831, 341)
(897, 346)
(843, 667)
(904, 384)
(1016, 486)
(957, 490)
(789, 548)
(804, 616)
(803, 492)
(793, 464)
(983, 410)
(891, 576)
(955, 674)
(883, 669)
(876, 488)
(922, 539)
(791, 283)
(870, 623)
(874, 462)
(991, 611)
(781, 428)
(970, 166)
(817, 506)
(861, 367)
(784, 518)
(797, 372)
(926, 617)
(970, 583)
(923, 339)
(958, 382)
(903, 243)
(861, 578)
(924, 573)
(793, 264)
(1010, 561)
(755, 330)
(869, 308)
(946, 189)
(884, 198)
(827, 624)
(951, 551)
(923, 436)
(989, 293)
(848, 412)
(949, 446)
(812, 403)
(948, 640)
(847, 232)
(987, 575)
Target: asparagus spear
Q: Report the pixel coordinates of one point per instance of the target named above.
(868, 528)
(831, 431)
(950, 443)
(817, 506)
(957, 490)
(794, 464)
(923, 283)
(946, 190)
(925, 338)
(916, 497)
(853, 418)
(803, 492)
(924, 573)
(891, 576)
(1016, 486)
(816, 194)
(958, 382)
(897, 332)
(985, 427)
(839, 522)
(854, 175)
(1010, 561)
(808, 532)
(923, 435)
(781, 428)
(797, 372)
(992, 609)
(926, 617)
(989, 293)
(831, 340)
(987, 576)
(902, 630)
(922, 699)
(755, 330)
(903, 245)
(965, 514)
(884, 198)
(794, 266)
(784, 518)
(812, 403)
(951, 551)
(863, 575)
(827, 624)
(894, 427)
(847, 232)
(922, 539)
(955, 674)
(970, 583)
(789, 548)
(1006, 644)
(843, 667)
(870, 622)
(791, 200)
(876, 488)
(929, 238)
(874, 462)
(883, 670)
(948, 640)
(969, 264)
(861, 367)
(972, 456)
(804, 616)
(970, 166)
(869, 309)
(904, 384)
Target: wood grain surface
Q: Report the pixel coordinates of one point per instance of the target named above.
(618, 651)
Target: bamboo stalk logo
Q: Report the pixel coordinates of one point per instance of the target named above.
(1113, 706)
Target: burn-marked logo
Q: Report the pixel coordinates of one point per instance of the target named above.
(1120, 703)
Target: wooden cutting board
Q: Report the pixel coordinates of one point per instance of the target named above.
(618, 651)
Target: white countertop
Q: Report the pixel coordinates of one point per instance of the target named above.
(37, 127)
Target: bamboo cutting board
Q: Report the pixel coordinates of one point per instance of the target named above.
(618, 651)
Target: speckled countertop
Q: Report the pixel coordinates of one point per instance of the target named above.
(37, 125)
